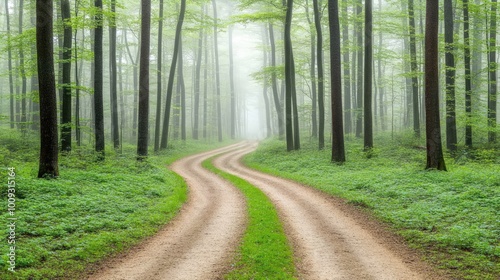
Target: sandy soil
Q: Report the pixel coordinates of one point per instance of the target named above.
(200, 242)
(331, 240)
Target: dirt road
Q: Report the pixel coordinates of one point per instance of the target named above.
(331, 240)
(199, 243)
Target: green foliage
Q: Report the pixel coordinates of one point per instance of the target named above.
(452, 216)
(94, 210)
(264, 252)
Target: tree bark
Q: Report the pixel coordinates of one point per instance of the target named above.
(274, 84)
(9, 61)
(414, 68)
(98, 81)
(468, 78)
(435, 158)
(66, 78)
(48, 164)
(217, 75)
(451, 124)
(492, 92)
(347, 75)
(359, 88)
(368, 78)
(321, 86)
(115, 134)
(231, 84)
(338, 152)
(170, 85)
(159, 79)
(143, 128)
(197, 78)
(288, 77)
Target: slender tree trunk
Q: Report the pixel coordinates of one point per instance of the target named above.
(414, 68)
(295, 112)
(359, 99)
(231, 84)
(338, 152)
(115, 134)
(22, 70)
(182, 92)
(159, 79)
(9, 61)
(492, 92)
(274, 84)
(288, 77)
(98, 81)
(66, 78)
(312, 73)
(143, 129)
(435, 158)
(381, 83)
(368, 123)
(205, 91)
(48, 165)
(197, 77)
(451, 124)
(468, 78)
(269, 130)
(217, 75)
(347, 75)
(136, 84)
(77, 86)
(170, 85)
(321, 86)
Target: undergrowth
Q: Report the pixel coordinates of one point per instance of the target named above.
(264, 252)
(453, 217)
(94, 210)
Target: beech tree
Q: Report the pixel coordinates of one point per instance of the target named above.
(66, 78)
(98, 81)
(435, 158)
(451, 124)
(48, 164)
(143, 128)
(338, 152)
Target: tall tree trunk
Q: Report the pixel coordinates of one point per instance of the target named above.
(274, 84)
(217, 75)
(312, 73)
(269, 130)
(338, 152)
(143, 129)
(368, 123)
(435, 158)
(468, 78)
(22, 70)
(197, 78)
(170, 85)
(98, 81)
(9, 61)
(359, 99)
(381, 83)
(347, 75)
(115, 135)
(321, 87)
(205, 91)
(288, 77)
(492, 92)
(295, 112)
(159, 79)
(77, 86)
(414, 68)
(451, 124)
(182, 92)
(231, 84)
(66, 78)
(48, 165)
(136, 83)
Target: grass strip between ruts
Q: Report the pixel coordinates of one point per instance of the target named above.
(264, 252)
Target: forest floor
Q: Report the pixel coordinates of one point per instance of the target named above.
(330, 239)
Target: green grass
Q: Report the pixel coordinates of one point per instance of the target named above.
(92, 211)
(453, 217)
(264, 252)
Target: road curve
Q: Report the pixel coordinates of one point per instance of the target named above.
(329, 242)
(200, 242)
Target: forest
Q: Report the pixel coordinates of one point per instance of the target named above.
(389, 106)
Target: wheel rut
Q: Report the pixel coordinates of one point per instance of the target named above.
(330, 240)
(200, 242)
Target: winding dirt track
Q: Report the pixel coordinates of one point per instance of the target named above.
(330, 240)
(199, 243)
